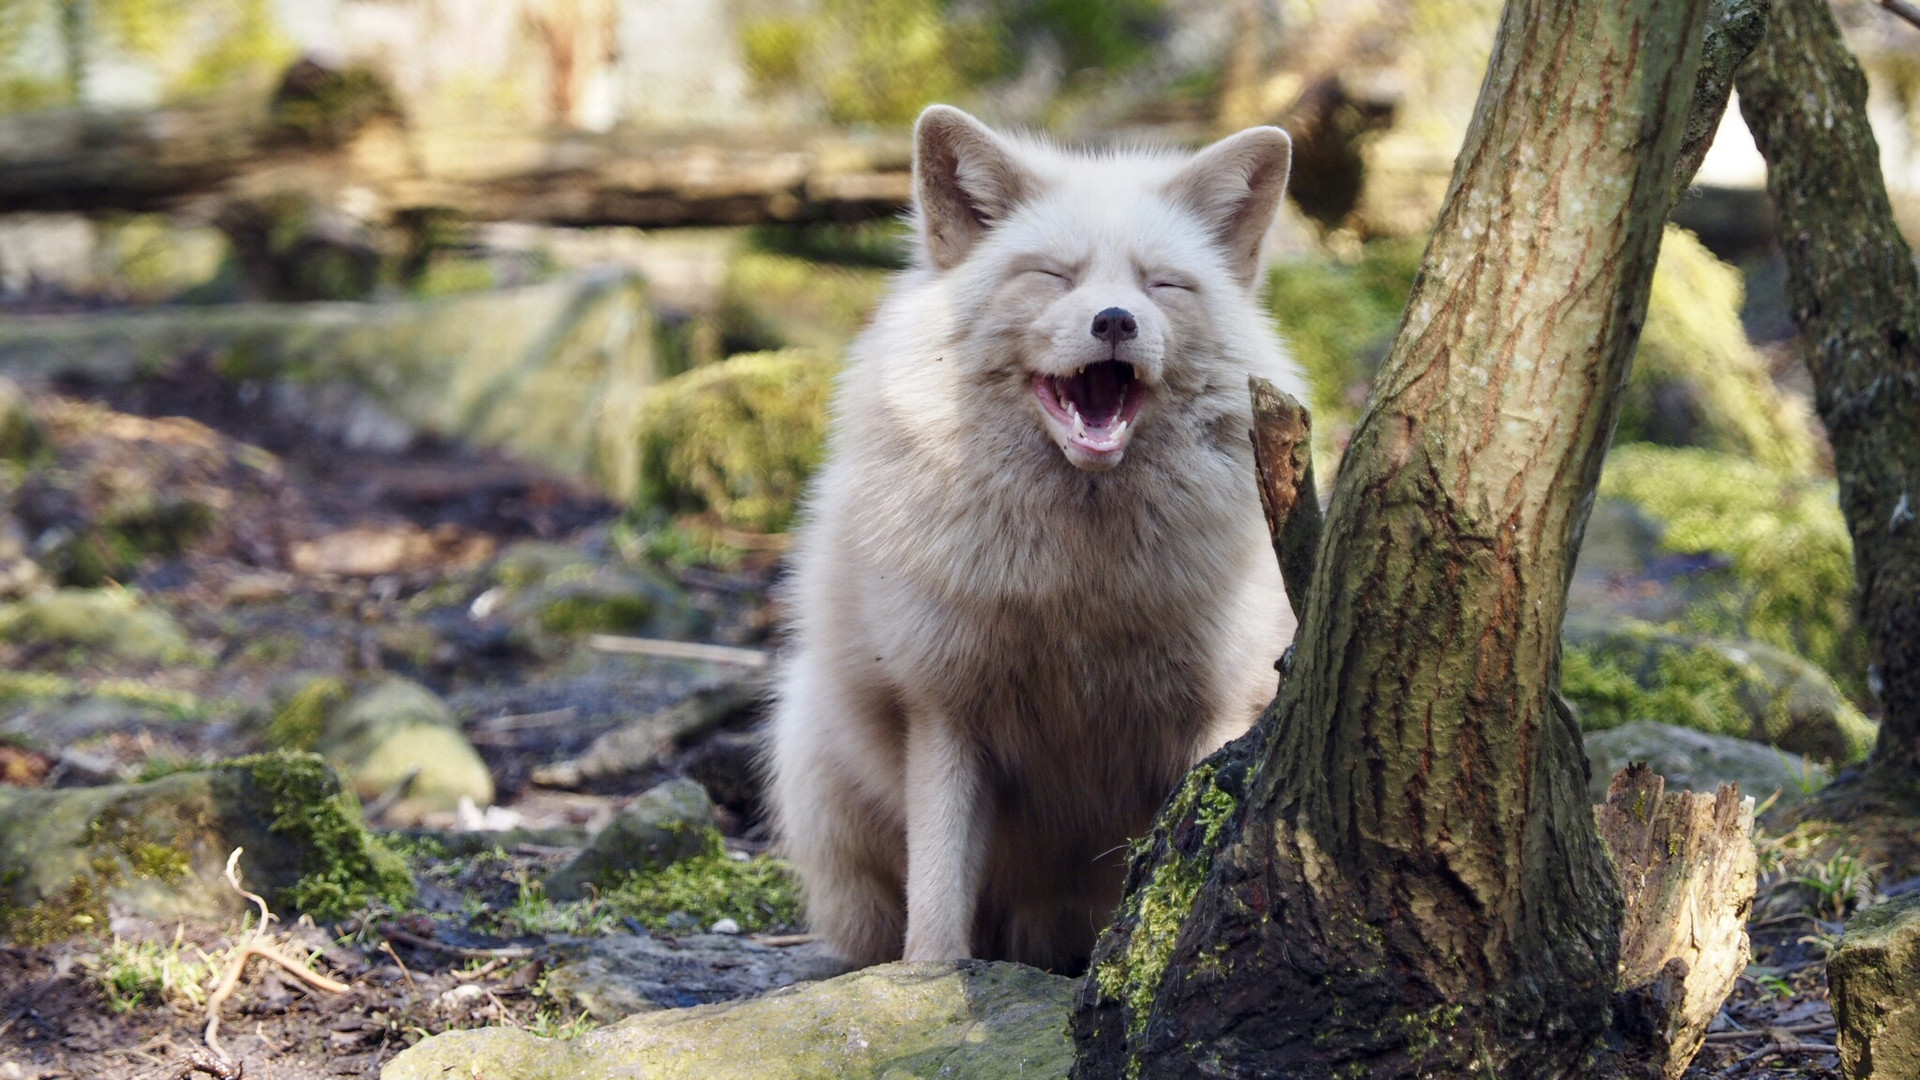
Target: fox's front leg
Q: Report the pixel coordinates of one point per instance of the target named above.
(947, 825)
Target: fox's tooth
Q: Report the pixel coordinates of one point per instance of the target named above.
(1119, 430)
(1079, 426)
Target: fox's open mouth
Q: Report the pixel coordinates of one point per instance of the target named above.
(1095, 406)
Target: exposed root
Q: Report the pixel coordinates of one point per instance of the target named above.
(257, 945)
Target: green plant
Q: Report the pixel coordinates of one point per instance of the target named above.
(134, 973)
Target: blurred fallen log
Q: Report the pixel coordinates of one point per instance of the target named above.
(365, 153)
(677, 650)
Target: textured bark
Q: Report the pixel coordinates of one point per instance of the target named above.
(1283, 463)
(1856, 298)
(1687, 868)
(1396, 873)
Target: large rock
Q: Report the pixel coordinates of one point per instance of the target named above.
(71, 857)
(1616, 671)
(665, 824)
(1874, 976)
(388, 733)
(1696, 761)
(959, 1021)
(618, 976)
(552, 371)
(109, 621)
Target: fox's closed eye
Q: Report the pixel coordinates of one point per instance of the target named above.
(1056, 275)
(1166, 283)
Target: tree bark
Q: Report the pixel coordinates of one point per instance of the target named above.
(1856, 298)
(1396, 872)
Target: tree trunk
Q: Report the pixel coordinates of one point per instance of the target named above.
(1856, 298)
(1396, 873)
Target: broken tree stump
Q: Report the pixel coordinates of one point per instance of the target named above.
(1687, 869)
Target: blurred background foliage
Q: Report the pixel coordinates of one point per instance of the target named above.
(683, 364)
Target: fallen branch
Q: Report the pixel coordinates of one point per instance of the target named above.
(677, 650)
(1903, 9)
(394, 933)
(256, 945)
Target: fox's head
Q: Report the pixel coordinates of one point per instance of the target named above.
(1104, 290)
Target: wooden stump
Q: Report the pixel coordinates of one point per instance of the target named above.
(1687, 869)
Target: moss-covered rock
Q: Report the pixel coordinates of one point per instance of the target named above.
(966, 1021)
(736, 439)
(667, 823)
(1696, 761)
(158, 849)
(550, 594)
(1776, 562)
(1620, 671)
(1697, 381)
(551, 371)
(386, 734)
(111, 622)
(1875, 977)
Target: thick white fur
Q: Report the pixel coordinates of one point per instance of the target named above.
(1001, 658)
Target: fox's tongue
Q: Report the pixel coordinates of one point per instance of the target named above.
(1097, 392)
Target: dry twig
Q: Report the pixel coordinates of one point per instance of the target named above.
(257, 945)
(1903, 9)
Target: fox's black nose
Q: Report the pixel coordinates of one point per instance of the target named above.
(1115, 325)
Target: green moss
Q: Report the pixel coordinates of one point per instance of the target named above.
(1697, 381)
(737, 439)
(1621, 672)
(774, 301)
(593, 612)
(177, 704)
(343, 867)
(1155, 912)
(18, 686)
(878, 245)
(115, 545)
(1790, 579)
(104, 620)
(299, 721)
(758, 893)
(1339, 320)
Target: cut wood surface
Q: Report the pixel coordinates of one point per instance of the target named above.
(1687, 872)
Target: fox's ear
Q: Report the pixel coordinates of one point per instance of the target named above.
(965, 181)
(1235, 186)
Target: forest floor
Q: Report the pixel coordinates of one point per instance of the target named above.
(366, 561)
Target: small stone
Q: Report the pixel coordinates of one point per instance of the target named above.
(665, 824)
(1874, 976)
(680, 922)
(726, 926)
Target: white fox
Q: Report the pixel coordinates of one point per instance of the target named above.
(1033, 584)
